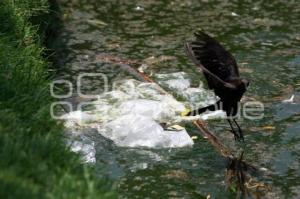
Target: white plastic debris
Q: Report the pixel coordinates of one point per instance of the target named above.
(176, 75)
(158, 110)
(263, 169)
(179, 82)
(213, 115)
(140, 131)
(290, 100)
(205, 116)
(78, 117)
(139, 8)
(149, 108)
(234, 14)
(143, 68)
(131, 114)
(84, 146)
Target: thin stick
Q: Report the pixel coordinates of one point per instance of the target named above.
(219, 146)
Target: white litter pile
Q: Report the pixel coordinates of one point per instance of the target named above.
(131, 115)
(134, 130)
(195, 96)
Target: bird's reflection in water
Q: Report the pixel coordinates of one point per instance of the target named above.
(240, 178)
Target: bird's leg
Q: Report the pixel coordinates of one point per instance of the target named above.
(236, 136)
(241, 135)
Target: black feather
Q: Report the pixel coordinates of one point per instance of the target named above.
(221, 72)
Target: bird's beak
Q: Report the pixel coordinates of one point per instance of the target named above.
(246, 82)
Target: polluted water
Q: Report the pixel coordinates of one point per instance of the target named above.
(138, 114)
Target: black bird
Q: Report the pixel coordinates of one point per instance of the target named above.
(221, 72)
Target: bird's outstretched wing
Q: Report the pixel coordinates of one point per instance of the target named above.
(217, 64)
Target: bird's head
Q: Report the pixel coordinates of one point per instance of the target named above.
(240, 84)
(243, 85)
(245, 82)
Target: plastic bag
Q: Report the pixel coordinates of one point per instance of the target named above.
(131, 114)
(140, 131)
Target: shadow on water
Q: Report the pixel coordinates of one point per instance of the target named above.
(263, 36)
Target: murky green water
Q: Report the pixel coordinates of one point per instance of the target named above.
(264, 37)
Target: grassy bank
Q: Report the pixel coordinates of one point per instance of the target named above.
(34, 162)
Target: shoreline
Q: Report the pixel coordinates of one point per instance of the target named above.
(35, 161)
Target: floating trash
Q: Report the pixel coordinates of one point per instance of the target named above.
(234, 14)
(131, 115)
(96, 22)
(135, 130)
(139, 8)
(290, 100)
(195, 96)
(81, 144)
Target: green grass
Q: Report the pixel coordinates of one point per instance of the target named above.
(34, 161)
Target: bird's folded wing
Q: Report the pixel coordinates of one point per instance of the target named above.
(217, 63)
(214, 82)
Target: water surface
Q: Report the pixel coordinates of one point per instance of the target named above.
(263, 36)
